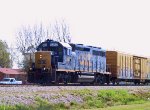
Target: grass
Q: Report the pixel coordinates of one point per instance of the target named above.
(106, 98)
(145, 106)
(95, 100)
(82, 92)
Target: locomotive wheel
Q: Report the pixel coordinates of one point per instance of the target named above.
(100, 79)
(64, 78)
(137, 82)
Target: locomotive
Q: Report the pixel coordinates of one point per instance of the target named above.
(58, 62)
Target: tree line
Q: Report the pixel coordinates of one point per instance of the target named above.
(29, 37)
(27, 40)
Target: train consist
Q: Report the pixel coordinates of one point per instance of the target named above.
(58, 62)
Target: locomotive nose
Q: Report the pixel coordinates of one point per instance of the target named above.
(43, 60)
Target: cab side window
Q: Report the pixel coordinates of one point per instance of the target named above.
(68, 51)
(11, 80)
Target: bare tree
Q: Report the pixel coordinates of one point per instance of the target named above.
(28, 38)
(61, 32)
(13, 55)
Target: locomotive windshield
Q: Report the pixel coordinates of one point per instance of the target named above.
(56, 50)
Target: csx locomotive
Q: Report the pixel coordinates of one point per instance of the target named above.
(59, 62)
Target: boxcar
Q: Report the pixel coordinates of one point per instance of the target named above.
(121, 66)
(128, 68)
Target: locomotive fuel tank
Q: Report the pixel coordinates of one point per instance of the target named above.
(85, 77)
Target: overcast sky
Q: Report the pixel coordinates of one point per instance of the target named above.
(122, 25)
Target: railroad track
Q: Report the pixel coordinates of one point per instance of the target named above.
(61, 84)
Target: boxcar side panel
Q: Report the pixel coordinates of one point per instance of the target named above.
(125, 66)
(143, 68)
(111, 60)
(148, 68)
(121, 64)
(137, 67)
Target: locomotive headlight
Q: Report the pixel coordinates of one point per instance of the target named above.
(44, 68)
(40, 56)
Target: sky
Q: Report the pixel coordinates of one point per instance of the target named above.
(122, 25)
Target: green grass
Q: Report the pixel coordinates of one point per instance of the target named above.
(118, 97)
(106, 98)
(82, 92)
(145, 106)
(95, 100)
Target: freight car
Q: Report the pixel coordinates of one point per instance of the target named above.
(58, 62)
(128, 68)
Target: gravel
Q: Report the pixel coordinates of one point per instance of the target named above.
(54, 94)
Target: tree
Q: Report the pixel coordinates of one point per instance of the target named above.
(5, 60)
(28, 38)
(60, 32)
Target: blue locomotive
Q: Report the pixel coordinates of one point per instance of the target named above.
(59, 62)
